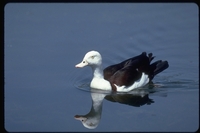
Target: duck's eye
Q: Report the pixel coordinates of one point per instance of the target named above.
(83, 61)
(92, 57)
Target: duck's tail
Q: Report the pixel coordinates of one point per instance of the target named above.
(157, 66)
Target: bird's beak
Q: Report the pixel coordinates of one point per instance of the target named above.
(80, 117)
(77, 117)
(81, 64)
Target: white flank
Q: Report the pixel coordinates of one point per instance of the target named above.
(139, 83)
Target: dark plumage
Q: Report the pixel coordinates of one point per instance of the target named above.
(130, 70)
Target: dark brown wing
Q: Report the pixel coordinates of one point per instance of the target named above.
(125, 76)
(128, 71)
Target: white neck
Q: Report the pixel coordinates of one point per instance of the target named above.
(97, 72)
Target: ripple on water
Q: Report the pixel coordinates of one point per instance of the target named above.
(84, 85)
(163, 85)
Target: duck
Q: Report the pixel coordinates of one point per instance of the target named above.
(130, 74)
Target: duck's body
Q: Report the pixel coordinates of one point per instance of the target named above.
(123, 77)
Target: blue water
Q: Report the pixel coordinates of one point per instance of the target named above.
(43, 42)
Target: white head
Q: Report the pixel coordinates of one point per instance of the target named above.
(88, 122)
(92, 58)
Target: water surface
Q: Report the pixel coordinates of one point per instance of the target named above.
(44, 42)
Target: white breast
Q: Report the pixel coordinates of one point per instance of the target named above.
(99, 83)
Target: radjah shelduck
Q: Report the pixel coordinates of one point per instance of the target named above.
(125, 76)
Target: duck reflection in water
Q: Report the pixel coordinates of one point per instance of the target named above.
(135, 98)
(91, 120)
